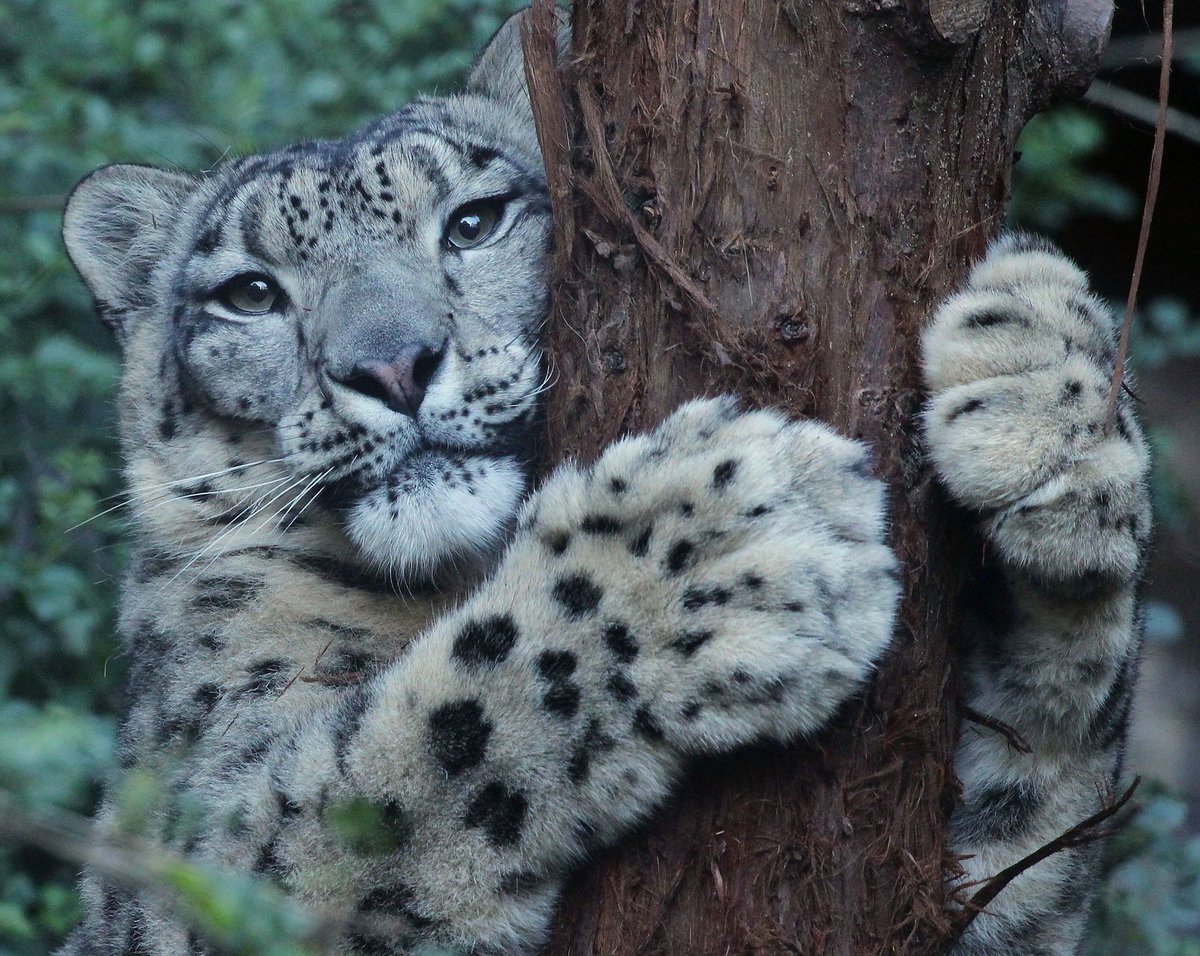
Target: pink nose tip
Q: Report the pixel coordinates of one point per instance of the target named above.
(401, 383)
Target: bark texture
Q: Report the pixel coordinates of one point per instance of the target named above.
(768, 198)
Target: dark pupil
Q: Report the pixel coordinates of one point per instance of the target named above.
(258, 291)
(468, 226)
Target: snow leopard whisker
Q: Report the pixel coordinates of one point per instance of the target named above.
(305, 479)
(225, 491)
(142, 499)
(544, 386)
(234, 524)
(239, 521)
(311, 501)
(528, 337)
(241, 525)
(237, 525)
(296, 501)
(316, 482)
(190, 478)
(270, 429)
(132, 497)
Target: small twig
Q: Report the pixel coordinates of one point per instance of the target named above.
(1144, 50)
(1160, 135)
(332, 680)
(286, 687)
(1008, 732)
(142, 865)
(321, 652)
(1082, 833)
(126, 860)
(1142, 109)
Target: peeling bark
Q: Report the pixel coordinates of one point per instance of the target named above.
(768, 199)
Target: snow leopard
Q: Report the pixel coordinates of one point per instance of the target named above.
(345, 591)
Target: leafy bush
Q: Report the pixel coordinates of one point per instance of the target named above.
(1055, 178)
(1150, 902)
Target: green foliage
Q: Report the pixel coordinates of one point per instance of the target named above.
(240, 914)
(1057, 179)
(1150, 903)
(1165, 329)
(84, 83)
(1053, 182)
(368, 828)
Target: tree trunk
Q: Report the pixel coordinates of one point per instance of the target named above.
(768, 198)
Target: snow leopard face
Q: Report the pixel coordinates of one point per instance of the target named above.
(353, 322)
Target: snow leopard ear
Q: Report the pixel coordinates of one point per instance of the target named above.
(499, 72)
(115, 226)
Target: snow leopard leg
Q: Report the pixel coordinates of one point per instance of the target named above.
(1018, 366)
(719, 581)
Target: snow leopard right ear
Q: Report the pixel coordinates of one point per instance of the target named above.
(115, 227)
(499, 72)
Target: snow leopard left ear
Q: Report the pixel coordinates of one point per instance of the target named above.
(499, 72)
(115, 227)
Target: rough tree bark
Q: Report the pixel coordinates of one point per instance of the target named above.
(768, 198)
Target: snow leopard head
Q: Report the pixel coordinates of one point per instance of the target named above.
(350, 323)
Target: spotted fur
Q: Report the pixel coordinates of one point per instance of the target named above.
(1018, 367)
(344, 597)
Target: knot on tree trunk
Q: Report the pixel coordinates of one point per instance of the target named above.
(1062, 43)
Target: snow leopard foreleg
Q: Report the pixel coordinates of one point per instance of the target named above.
(1018, 366)
(719, 581)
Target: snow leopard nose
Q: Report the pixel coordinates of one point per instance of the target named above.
(401, 383)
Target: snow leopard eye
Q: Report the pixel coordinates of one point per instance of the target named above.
(251, 294)
(469, 225)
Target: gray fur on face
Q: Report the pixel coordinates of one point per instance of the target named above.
(354, 232)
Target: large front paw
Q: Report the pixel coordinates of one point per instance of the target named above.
(735, 567)
(1018, 366)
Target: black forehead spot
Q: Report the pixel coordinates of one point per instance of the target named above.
(248, 224)
(424, 159)
(210, 239)
(277, 168)
(481, 156)
(432, 120)
(432, 138)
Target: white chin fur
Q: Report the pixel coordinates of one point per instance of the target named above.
(436, 522)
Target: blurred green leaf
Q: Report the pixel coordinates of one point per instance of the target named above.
(1150, 903)
(1163, 623)
(1053, 180)
(369, 828)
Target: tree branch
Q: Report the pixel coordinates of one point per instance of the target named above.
(1146, 50)
(1008, 732)
(1141, 109)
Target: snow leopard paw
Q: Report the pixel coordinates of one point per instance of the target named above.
(1019, 366)
(735, 567)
